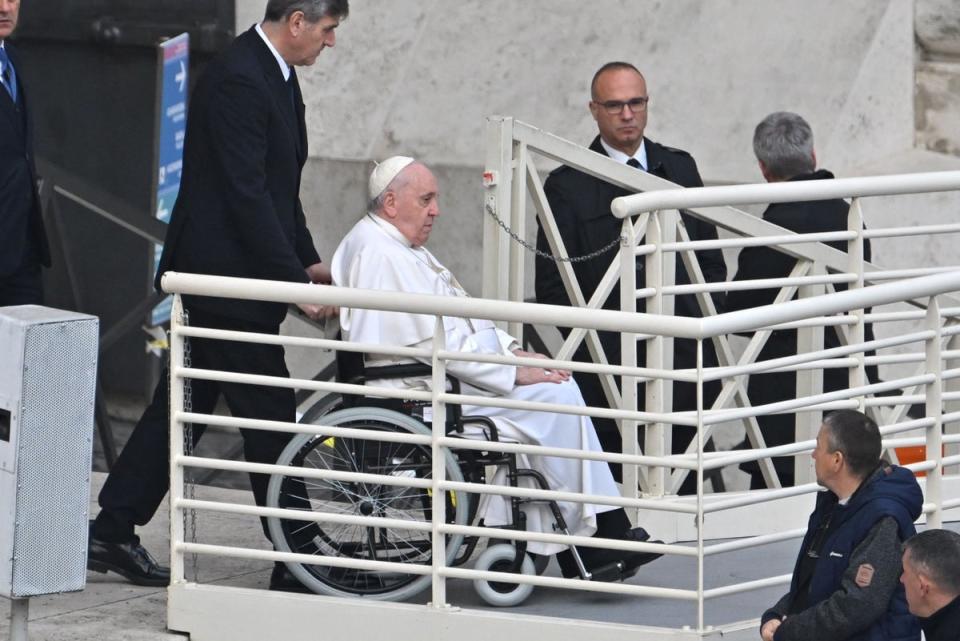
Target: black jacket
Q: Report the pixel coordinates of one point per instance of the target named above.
(944, 624)
(22, 235)
(763, 262)
(581, 207)
(238, 212)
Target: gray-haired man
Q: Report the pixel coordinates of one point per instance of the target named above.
(783, 145)
(238, 214)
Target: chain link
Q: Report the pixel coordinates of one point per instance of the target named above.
(189, 490)
(491, 209)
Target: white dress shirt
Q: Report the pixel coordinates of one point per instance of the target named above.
(619, 156)
(284, 67)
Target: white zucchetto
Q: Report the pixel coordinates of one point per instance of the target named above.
(385, 172)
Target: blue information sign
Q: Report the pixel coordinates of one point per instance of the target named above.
(174, 57)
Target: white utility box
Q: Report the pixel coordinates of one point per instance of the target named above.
(48, 381)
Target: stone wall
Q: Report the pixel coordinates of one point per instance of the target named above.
(938, 75)
(877, 79)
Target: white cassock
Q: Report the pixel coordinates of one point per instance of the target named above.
(375, 255)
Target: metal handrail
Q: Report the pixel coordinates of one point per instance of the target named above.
(601, 319)
(783, 192)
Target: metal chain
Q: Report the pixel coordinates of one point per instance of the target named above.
(189, 489)
(491, 209)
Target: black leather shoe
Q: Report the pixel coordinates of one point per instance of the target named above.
(281, 580)
(635, 560)
(129, 560)
(611, 565)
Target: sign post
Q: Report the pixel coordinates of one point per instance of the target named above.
(171, 127)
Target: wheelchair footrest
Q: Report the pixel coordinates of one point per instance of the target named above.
(610, 572)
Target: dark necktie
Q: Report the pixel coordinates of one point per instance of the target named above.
(293, 94)
(633, 162)
(9, 76)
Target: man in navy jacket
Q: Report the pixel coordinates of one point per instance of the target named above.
(846, 581)
(238, 213)
(23, 241)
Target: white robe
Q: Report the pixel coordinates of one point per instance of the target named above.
(375, 255)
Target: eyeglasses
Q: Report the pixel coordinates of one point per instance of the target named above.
(614, 107)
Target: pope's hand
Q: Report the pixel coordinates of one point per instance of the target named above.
(534, 375)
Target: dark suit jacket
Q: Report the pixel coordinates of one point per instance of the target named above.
(238, 212)
(581, 207)
(763, 262)
(22, 236)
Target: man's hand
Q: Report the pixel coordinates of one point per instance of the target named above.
(318, 312)
(319, 274)
(534, 375)
(769, 628)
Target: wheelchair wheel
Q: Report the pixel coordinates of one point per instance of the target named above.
(499, 558)
(348, 541)
(323, 406)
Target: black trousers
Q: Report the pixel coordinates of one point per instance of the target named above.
(23, 287)
(140, 478)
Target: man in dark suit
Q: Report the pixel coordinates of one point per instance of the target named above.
(783, 145)
(23, 241)
(581, 208)
(238, 213)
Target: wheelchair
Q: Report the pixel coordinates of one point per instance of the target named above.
(405, 536)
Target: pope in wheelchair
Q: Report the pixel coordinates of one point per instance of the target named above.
(385, 251)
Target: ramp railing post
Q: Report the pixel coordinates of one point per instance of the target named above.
(177, 514)
(657, 390)
(438, 476)
(857, 333)
(497, 180)
(628, 355)
(934, 407)
(809, 383)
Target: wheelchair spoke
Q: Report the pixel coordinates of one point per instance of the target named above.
(396, 543)
(372, 543)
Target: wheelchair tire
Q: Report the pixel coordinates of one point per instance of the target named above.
(348, 541)
(323, 406)
(499, 558)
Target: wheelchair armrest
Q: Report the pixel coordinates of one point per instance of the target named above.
(406, 370)
(403, 370)
(415, 370)
(492, 434)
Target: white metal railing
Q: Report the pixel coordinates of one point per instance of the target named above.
(439, 486)
(652, 231)
(923, 296)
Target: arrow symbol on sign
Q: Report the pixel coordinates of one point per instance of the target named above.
(181, 77)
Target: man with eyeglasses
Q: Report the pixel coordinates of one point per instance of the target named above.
(846, 581)
(581, 207)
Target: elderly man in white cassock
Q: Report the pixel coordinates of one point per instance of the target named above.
(385, 250)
